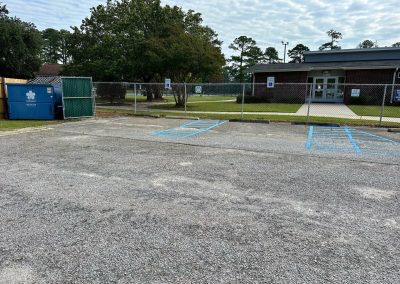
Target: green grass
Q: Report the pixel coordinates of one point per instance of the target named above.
(17, 124)
(233, 107)
(390, 111)
(170, 99)
(142, 99)
(275, 118)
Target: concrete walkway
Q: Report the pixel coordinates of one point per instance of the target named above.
(326, 110)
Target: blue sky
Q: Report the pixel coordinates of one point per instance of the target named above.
(267, 21)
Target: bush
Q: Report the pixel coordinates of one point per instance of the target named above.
(364, 100)
(253, 99)
(112, 92)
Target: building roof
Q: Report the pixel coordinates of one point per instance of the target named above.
(50, 69)
(358, 50)
(352, 55)
(349, 65)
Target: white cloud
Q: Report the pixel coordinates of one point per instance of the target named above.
(268, 22)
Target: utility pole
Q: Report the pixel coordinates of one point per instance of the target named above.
(284, 54)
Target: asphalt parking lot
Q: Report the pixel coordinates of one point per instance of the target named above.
(107, 201)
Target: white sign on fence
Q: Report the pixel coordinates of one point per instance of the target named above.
(271, 82)
(355, 93)
(198, 90)
(168, 84)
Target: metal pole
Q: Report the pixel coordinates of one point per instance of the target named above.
(309, 103)
(185, 98)
(284, 54)
(135, 96)
(383, 106)
(243, 92)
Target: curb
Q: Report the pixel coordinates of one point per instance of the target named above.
(250, 121)
(181, 117)
(316, 124)
(147, 115)
(394, 130)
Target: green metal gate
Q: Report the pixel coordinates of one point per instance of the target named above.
(77, 96)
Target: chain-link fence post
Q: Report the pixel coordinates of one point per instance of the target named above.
(185, 98)
(309, 103)
(383, 106)
(135, 94)
(242, 109)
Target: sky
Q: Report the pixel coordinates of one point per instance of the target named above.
(269, 22)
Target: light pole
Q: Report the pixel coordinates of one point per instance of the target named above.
(284, 54)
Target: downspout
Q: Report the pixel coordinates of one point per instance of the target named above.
(254, 81)
(393, 82)
(309, 90)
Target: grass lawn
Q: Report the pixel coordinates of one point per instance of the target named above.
(233, 107)
(17, 124)
(276, 118)
(142, 99)
(390, 111)
(170, 99)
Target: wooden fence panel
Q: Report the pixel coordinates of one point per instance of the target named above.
(3, 93)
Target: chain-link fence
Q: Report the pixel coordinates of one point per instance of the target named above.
(324, 102)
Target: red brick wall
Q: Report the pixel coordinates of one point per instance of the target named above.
(283, 77)
(282, 93)
(384, 76)
(369, 94)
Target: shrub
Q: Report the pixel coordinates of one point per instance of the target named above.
(253, 99)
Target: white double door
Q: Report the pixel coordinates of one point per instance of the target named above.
(325, 89)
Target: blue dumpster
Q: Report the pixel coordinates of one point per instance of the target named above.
(33, 101)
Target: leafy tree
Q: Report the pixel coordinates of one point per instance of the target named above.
(271, 55)
(367, 44)
(397, 44)
(335, 37)
(297, 53)
(139, 40)
(3, 11)
(249, 54)
(20, 46)
(54, 48)
(51, 46)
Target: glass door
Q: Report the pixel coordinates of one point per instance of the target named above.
(318, 94)
(331, 89)
(326, 89)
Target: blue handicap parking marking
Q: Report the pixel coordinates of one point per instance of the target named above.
(189, 129)
(350, 140)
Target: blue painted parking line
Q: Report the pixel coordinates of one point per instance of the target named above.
(310, 136)
(350, 140)
(353, 142)
(189, 129)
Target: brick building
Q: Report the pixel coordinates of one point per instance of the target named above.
(332, 76)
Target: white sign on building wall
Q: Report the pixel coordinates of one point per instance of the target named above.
(355, 93)
(271, 82)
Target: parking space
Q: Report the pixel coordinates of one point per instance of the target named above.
(189, 129)
(351, 140)
(106, 201)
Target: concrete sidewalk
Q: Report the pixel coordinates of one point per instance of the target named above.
(326, 110)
